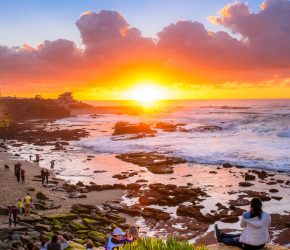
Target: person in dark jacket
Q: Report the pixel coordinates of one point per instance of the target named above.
(12, 214)
(47, 174)
(42, 175)
(17, 174)
(23, 175)
(53, 244)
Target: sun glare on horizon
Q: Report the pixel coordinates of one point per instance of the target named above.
(146, 93)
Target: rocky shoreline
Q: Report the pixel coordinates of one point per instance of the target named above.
(181, 209)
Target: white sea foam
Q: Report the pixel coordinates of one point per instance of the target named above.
(284, 133)
(253, 140)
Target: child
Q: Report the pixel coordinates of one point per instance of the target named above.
(19, 206)
(23, 176)
(116, 240)
(42, 245)
(90, 246)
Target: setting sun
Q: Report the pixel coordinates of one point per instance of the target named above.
(146, 93)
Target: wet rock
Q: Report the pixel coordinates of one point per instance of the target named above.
(98, 237)
(239, 202)
(261, 174)
(141, 181)
(277, 198)
(170, 186)
(75, 226)
(119, 186)
(161, 169)
(120, 176)
(227, 165)
(42, 227)
(195, 213)
(273, 190)
(26, 238)
(80, 184)
(4, 210)
(134, 186)
(41, 196)
(122, 128)
(239, 166)
(68, 216)
(6, 233)
(29, 219)
(231, 219)
(163, 216)
(77, 195)
(245, 184)
(249, 177)
(271, 183)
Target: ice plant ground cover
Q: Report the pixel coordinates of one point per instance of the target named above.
(158, 244)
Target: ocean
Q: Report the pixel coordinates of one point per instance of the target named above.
(252, 133)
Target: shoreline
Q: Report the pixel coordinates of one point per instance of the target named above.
(11, 191)
(220, 187)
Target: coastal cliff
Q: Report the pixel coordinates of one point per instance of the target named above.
(22, 109)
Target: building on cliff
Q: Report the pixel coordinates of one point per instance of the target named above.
(67, 101)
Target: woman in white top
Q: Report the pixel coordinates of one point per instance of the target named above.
(256, 225)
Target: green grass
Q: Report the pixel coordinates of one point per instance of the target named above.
(159, 244)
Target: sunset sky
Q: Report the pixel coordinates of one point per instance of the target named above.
(153, 49)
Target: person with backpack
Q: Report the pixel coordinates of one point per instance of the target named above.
(42, 172)
(47, 174)
(17, 174)
(256, 224)
(12, 214)
(53, 244)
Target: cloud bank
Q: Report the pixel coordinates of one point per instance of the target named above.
(117, 55)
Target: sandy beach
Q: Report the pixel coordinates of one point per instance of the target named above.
(10, 191)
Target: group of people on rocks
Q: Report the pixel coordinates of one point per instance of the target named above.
(19, 172)
(14, 210)
(44, 175)
(114, 242)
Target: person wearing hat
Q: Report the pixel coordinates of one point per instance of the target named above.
(116, 240)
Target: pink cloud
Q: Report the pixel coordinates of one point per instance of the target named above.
(185, 52)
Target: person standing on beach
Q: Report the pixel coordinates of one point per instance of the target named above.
(4, 140)
(20, 205)
(12, 213)
(46, 175)
(23, 175)
(28, 201)
(42, 175)
(30, 156)
(17, 174)
(52, 164)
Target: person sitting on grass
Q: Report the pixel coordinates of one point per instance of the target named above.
(256, 232)
(134, 232)
(116, 240)
(53, 244)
